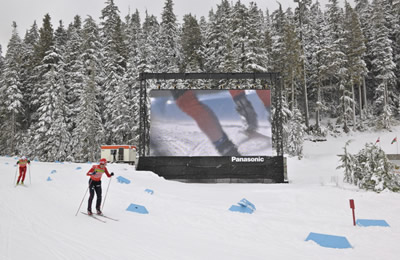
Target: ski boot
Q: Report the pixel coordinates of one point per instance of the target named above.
(226, 147)
(89, 212)
(246, 112)
(99, 212)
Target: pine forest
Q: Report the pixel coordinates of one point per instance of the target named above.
(66, 89)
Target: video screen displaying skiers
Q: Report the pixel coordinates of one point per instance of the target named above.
(210, 123)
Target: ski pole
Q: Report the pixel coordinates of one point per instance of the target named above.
(16, 170)
(105, 197)
(83, 197)
(30, 179)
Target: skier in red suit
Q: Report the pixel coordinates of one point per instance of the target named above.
(23, 162)
(95, 173)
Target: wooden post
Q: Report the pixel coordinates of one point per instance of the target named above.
(352, 206)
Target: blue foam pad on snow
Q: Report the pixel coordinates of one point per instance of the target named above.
(241, 209)
(372, 222)
(245, 206)
(137, 208)
(329, 240)
(149, 191)
(123, 180)
(78, 168)
(49, 179)
(246, 203)
(53, 171)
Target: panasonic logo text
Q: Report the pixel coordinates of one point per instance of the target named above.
(247, 159)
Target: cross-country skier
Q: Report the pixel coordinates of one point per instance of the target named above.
(22, 162)
(207, 121)
(95, 173)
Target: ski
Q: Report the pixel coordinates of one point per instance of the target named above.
(93, 216)
(21, 185)
(255, 135)
(107, 217)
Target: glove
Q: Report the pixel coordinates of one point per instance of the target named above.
(112, 174)
(93, 173)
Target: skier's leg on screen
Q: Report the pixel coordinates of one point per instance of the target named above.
(245, 109)
(206, 120)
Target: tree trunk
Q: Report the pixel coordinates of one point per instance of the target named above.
(345, 127)
(13, 130)
(293, 96)
(306, 114)
(318, 112)
(361, 103)
(354, 105)
(365, 96)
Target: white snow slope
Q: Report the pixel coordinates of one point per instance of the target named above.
(192, 221)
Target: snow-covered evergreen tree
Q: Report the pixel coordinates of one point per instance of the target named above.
(191, 42)
(58, 136)
(51, 135)
(336, 59)
(218, 32)
(28, 75)
(292, 61)
(256, 56)
(373, 170)
(348, 163)
(392, 18)
(314, 42)
(303, 21)
(88, 133)
(10, 90)
(45, 41)
(114, 68)
(40, 67)
(74, 73)
(295, 132)
(382, 65)
(355, 51)
(364, 11)
(277, 36)
(1, 61)
(148, 46)
(89, 128)
(169, 54)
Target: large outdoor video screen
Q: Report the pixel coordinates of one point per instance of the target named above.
(210, 123)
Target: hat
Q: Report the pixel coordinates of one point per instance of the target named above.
(103, 161)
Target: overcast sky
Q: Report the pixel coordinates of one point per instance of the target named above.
(25, 12)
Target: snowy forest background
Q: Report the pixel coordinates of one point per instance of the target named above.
(67, 89)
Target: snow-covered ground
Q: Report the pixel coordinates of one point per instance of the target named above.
(192, 221)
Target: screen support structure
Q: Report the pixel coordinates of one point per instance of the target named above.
(273, 78)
